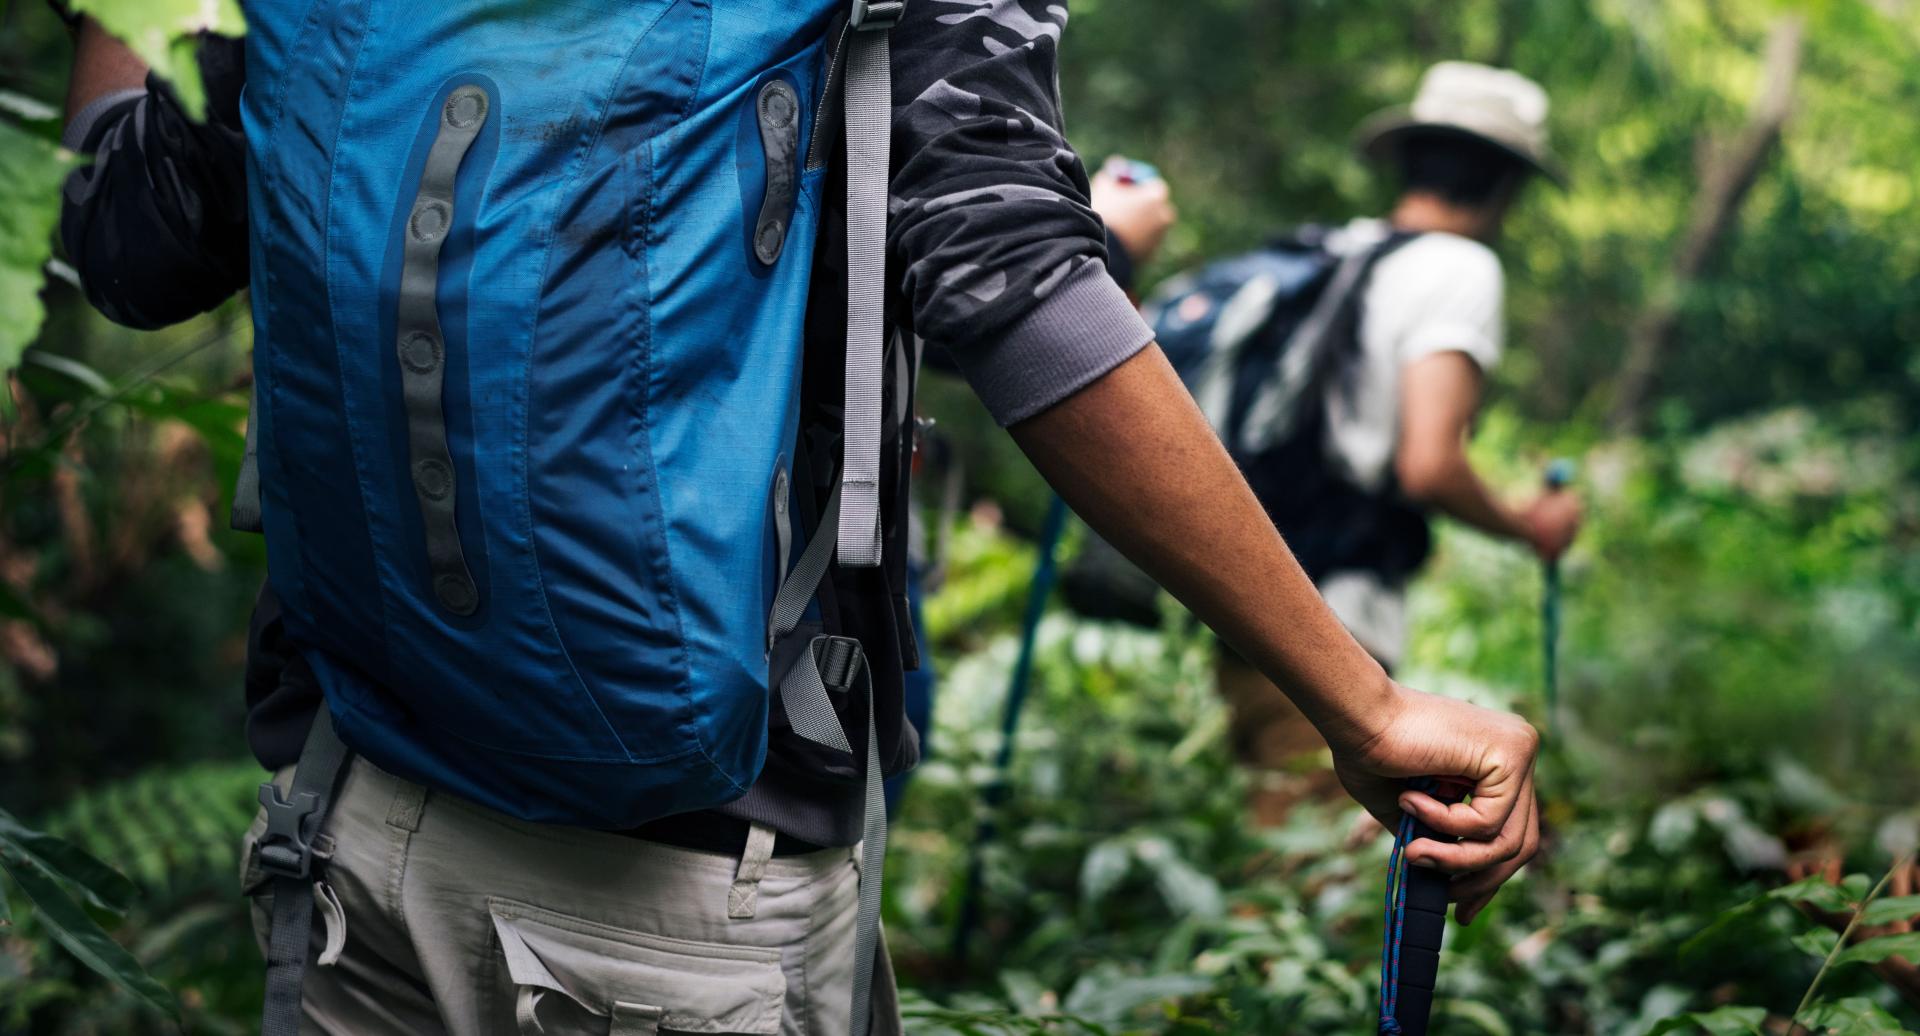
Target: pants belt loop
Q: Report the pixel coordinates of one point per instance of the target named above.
(409, 801)
(744, 897)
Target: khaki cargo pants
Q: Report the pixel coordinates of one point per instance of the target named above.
(436, 915)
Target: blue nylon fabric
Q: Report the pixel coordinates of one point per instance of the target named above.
(620, 385)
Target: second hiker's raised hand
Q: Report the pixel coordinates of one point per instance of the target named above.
(1424, 735)
(1552, 521)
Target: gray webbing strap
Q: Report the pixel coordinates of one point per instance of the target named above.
(245, 516)
(421, 348)
(869, 122)
(799, 586)
(286, 851)
(810, 709)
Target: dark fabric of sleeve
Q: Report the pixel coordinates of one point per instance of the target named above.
(1001, 258)
(156, 223)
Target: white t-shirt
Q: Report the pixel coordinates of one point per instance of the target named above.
(1436, 293)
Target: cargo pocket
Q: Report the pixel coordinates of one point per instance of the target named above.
(570, 977)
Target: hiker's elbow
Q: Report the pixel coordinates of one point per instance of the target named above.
(1426, 473)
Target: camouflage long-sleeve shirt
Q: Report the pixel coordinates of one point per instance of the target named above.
(1003, 258)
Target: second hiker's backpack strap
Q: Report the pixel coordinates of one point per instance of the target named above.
(868, 128)
(1308, 360)
(286, 852)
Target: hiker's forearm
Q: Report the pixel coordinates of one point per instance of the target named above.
(1134, 457)
(101, 65)
(1449, 484)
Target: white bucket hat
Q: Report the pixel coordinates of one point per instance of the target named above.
(1494, 105)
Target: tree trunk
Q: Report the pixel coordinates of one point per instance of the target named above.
(1725, 181)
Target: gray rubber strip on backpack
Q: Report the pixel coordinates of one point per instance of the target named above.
(322, 760)
(420, 349)
(245, 516)
(869, 122)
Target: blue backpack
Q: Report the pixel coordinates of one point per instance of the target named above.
(531, 285)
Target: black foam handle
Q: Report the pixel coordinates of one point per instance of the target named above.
(1420, 935)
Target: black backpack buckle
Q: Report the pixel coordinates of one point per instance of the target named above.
(876, 15)
(840, 661)
(284, 850)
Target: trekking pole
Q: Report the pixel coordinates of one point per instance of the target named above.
(1416, 921)
(1559, 475)
(1044, 570)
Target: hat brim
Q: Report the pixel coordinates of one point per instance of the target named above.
(1381, 135)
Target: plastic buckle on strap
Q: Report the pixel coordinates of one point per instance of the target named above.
(840, 660)
(876, 15)
(285, 851)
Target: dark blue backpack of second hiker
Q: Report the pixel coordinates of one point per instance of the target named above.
(1260, 339)
(1263, 340)
(529, 284)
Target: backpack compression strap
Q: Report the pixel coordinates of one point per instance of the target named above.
(285, 851)
(828, 666)
(869, 122)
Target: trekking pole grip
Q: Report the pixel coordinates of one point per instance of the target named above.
(1419, 924)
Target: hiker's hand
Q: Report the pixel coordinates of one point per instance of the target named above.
(1429, 736)
(1137, 213)
(1552, 521)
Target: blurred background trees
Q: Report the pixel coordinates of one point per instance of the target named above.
(1719, 317)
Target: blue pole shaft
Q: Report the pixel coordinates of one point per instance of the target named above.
(1045, 571)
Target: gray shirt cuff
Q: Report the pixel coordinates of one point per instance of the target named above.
(80, 127)
(1083, 329)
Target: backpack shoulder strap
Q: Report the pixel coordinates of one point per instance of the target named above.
(868, 127)
(1308, 359)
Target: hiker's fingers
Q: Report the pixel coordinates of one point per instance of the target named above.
(1496, 798)
(1514, 839)
(1473, 892)
(1460, 819)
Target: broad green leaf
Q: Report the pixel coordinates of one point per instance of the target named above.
(1820, 893)
(1815, 890)
(1816, 942)
(163, 33)
(67, 922)
(31, 170)
(34, 115)
(103, 886)
(1724, 1021)
(1103, 869)
(1482, 1017)
(1853, 1016)
(71, 369)
(1905, 944)
(1891, 910)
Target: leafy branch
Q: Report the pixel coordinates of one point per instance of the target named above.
(44, 868)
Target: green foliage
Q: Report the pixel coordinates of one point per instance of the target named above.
(31, 169)
(176, 833)
(1249, 107)
(1701, 746)
(47, 871)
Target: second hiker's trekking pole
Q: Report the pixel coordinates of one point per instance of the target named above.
(1416, 921)
(1044, 570)
(1559, 476)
